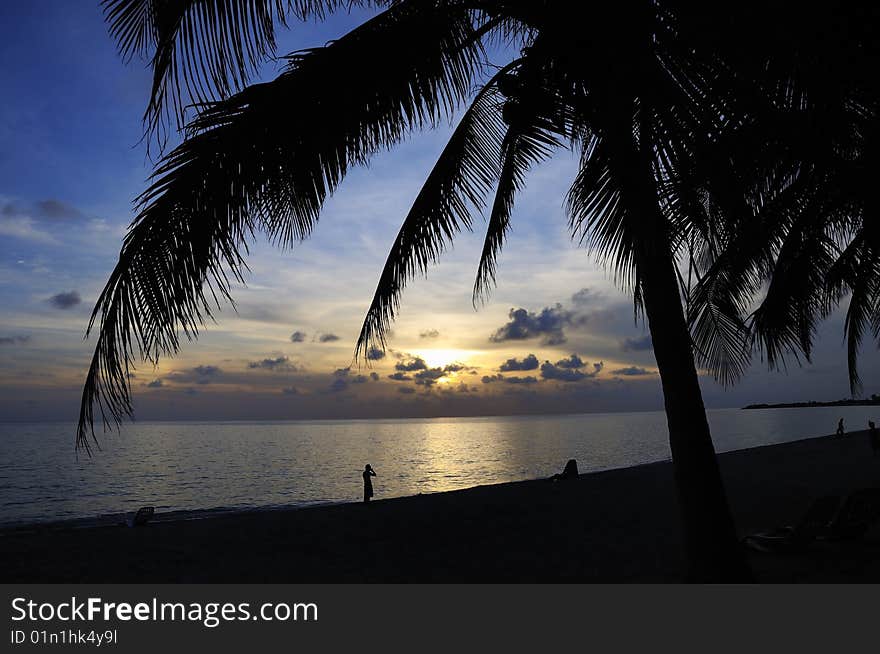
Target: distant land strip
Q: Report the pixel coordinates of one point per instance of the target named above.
(874, 400)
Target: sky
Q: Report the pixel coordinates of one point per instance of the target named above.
(556, 335)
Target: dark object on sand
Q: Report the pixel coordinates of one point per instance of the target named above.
(368, 483)
(860, 510)
(142, 517)
(569, 472)
(797, 537)
(874, 437)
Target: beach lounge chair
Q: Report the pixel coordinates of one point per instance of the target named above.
(142, 517)
(859, 511)
(798, 536)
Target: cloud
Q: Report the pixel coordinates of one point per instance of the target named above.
(374, 376)
(290, 390)
(585, 296)
(523, 324)
(156, 383)
(455, 367)
(573, 362)
(298, 337)
(207, 371)
(632, 371)
(55, 210)
(491, 379)
(359, 379)
(341, 372)
(339, 385)
(429, 376)
(640, 344)
(569, 370)
(327, 338)
(276, 364)
(14, 340)
(399, 376)
(430, 333)
(521, 380)
(416, 363)
(374, 354)
(65, 300)
(528, 363)
(406, 390)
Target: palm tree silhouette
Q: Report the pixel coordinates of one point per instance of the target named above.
(643, 100)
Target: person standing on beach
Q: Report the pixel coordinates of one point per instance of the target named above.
(840, 431)
(368, 483)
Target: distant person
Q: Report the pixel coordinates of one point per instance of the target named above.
(874, 437)
(368, 483)
(569, 472)
(840, 430)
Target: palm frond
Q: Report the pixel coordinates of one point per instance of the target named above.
(202, 50)
(267, 158)
(459, 182)
(524, 145)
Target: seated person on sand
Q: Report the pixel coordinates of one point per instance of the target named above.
(569, 472)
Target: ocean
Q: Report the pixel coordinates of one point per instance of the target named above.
(191, 469)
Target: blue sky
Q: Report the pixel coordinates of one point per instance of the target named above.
(71, 161)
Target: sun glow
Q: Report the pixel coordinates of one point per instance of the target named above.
(443, 358)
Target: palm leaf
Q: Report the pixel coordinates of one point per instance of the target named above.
(267, 158)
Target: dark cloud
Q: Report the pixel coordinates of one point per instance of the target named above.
(528, 363)
(566, 370)
(521, 380)
(206, 374)
(410, 365)
(491, 379)
(65, 300)
(374, 376)
(359, 379)
(156, 383)
(276, 364)
(573, 362)
(632, 371)
(399, 376)
(640, 344)
(339, 385)
(455, 367)
(406, 390)
(190, 391)
(429, 376)
(585, 296)
(374, 354)
(548, 324)
(341, 372)
(430, 333)
(55, 210)
(298, 337)
(290, 390)
(14, 340)
(327, 338)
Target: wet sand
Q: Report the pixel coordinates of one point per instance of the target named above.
(615, 526)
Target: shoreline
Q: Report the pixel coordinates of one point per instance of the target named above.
(613, 525)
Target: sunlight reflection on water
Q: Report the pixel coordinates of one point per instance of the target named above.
(196, 466)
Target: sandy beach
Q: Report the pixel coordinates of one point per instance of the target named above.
(614, 526)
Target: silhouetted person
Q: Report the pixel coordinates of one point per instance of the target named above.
(874, 437)
(840, 431)
(569, 472)
(368, 483)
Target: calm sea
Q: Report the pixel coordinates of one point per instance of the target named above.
(198, 467)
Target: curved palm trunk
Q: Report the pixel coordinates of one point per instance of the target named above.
(712, 548)
(713, 551)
